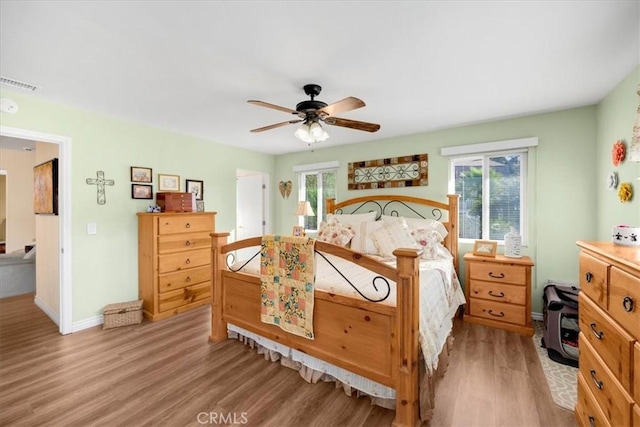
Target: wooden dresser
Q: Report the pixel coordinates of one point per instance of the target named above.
(609, 375)
(174, 262)
(498, 292)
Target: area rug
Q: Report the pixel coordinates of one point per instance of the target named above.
(562, 379)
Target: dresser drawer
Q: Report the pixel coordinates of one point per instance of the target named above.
(183, 278)
(608, 339)
(593, 278)
(185, 223)
(183, 242)
(498, 311)
(178, 298)
(182, 260)
(587, 408)
(494, 272)
(612, 398)
(624, 300)
(499, 292)
(636, 416)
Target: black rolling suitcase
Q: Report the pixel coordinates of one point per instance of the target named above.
(561, 326)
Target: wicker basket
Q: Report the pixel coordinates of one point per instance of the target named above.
(122, 314)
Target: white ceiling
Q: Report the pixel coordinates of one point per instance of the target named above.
(190, 66)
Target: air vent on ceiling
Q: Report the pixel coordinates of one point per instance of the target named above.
(18, 84)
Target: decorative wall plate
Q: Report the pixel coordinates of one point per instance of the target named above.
(612, 180)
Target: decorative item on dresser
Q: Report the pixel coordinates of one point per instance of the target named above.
(176, 202)
(174, 262)
(498, 292)
(609, 377)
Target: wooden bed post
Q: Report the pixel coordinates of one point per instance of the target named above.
(453, 222)
(218, 326)
(407, 340)
(329, 205)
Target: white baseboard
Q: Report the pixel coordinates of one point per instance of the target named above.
(47, 310)
(87, 323)
(537, 316)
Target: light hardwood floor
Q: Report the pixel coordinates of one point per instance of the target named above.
(167, 374)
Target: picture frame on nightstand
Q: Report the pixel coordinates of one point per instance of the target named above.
(486, 248)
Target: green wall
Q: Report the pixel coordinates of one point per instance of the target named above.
(105, 265)
(616, 117)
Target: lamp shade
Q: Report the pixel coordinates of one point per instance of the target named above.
(311, 132)
(304, 209)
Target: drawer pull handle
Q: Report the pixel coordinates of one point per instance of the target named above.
(627, 303)
(598, 384)
(500, 295)
(187, 225)
(188, 279)
(592, 421)
(588, 277)
(188, 261)
(187, 243)
(501, 314)
(598, 335)
(496, 276)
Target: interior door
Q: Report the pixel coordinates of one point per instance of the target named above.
(250, 208)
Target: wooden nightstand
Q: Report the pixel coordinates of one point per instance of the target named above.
(498, 292)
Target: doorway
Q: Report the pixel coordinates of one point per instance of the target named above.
(64, 317)
(251, 206)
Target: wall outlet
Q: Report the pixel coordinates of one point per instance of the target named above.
(92, 228)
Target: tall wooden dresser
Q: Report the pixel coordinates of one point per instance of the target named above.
(174, 262)
(609, 375)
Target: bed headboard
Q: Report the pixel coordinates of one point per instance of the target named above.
(406, 206)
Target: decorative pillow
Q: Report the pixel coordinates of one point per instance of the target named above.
(418, 224)
(429, 240)
(335, 232)
(391, 237)
(354, 221)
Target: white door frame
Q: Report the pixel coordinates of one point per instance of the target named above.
(64, 214)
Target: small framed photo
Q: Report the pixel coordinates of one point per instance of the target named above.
(485, 248)
(141, 191)
(197, 187)
(139, 174)
(168, 182)
(298, 231)
(199, 206)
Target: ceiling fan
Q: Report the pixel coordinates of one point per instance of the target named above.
(312, 112)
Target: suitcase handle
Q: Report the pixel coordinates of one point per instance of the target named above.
(596, 333)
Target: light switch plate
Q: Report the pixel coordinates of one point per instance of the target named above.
(92, 228)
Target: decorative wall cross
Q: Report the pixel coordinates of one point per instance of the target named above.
(100, 182)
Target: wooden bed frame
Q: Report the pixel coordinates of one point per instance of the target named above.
(373, 340)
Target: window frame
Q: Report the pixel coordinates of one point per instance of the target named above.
(486, 157)
(315, 169)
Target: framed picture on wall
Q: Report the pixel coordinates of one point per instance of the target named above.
(196, 187)
(141, 191)
(45, 188)
(168, 182)
(139, 174)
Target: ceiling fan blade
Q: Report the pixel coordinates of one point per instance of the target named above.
(275, 107)
(352, 124)
(341, 106)
(277, 125)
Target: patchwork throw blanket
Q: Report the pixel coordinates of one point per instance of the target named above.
(287, 283)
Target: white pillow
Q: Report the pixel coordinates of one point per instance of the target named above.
(354, 221)
(391, 237)
(365, 243)
(418, 224)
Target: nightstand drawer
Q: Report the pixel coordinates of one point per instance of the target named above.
(183, 242)
(180, 297)
(624, 300)
(499, 292)
(183, 260)
(609, 340)
(612, 398)
(180, 279)
(495, 272)
(185, 223)
(498, 311)
(593, 279)
(587, 408)
(636, 363)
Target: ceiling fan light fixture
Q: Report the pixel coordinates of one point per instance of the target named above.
(311, 132)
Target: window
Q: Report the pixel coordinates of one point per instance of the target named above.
(316, 183)
(492, 194)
